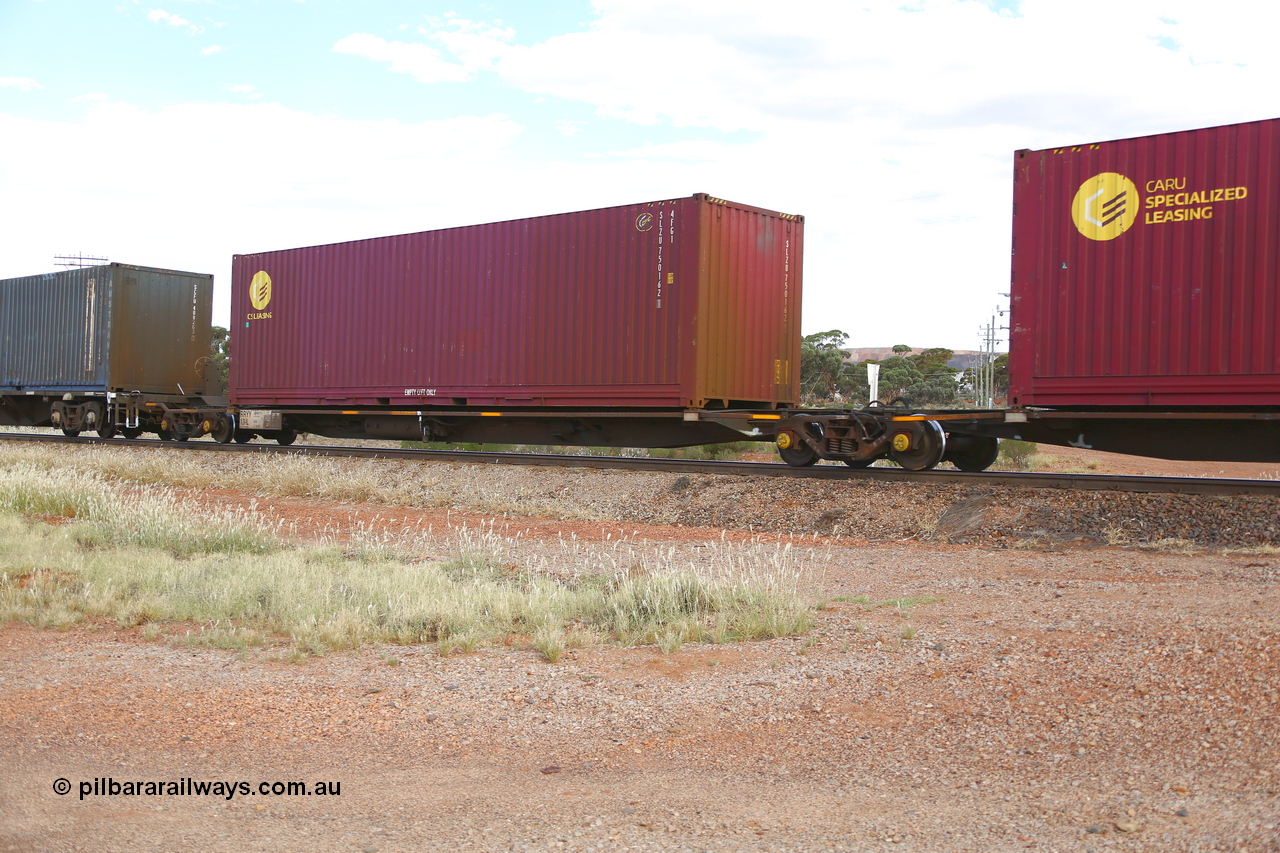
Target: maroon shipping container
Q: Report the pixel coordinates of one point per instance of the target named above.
(1146, 272)
(691, 302)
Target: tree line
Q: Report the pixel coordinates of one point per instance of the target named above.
(922, 379)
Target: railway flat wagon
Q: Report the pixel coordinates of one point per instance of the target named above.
(602, 326)
(109, 348)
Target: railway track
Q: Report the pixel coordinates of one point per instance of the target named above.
(1084, 482)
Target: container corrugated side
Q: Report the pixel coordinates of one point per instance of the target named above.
(749, 306)
(161, 330)
(114, 327)
(1146, 271)
(54, 331)
(611, 307)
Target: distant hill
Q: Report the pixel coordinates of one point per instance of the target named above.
(962, 360)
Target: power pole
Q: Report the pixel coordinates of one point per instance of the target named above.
(984, 391)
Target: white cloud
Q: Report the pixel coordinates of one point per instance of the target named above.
(242, 177)
(211, 50)
(160, 16)
(22, 84)
(421, 61)
(688, 150)
(475, 43)
(741, 65)
(890, 125)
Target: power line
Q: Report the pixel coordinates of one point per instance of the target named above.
(79, 260)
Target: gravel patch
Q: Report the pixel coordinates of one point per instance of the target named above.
(950, 698)
(875, 511)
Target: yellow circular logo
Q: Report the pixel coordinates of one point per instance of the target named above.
(644, 222)
(260, 290)
(1105, 206)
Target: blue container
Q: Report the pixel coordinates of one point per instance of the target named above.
(111, 328)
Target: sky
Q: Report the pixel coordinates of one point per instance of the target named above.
(176, 133)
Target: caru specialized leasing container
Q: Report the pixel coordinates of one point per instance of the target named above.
(1146, 272)
(685, 303)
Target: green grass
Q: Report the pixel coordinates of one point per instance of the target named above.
(107, 516)
(277, 476)
(730, 451)
(1016, 455)
(903, 605)
(144, 557)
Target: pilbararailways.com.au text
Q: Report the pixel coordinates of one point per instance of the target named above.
(188, 787)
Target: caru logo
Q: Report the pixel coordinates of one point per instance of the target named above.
(1105, 206)
(260, 291)
(644, 222)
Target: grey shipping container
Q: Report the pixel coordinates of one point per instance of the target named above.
(110, 328)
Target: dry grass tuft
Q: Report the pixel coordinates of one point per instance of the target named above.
(1255, 551)
(149, 560)
(284, 475)
(1170, 546)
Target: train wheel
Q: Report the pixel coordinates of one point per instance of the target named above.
(103, 421)
(224, 429)
(286, 437)
(794, 451)
(165, 432)
(72, 433)
(973, 453)
(920, 449)
(859, 463)
(243, 437)
(798, 455)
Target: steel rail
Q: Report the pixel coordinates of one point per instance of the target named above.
(1080, 482)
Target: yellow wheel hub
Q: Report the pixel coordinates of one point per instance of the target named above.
(902, 442)
(784, 440)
